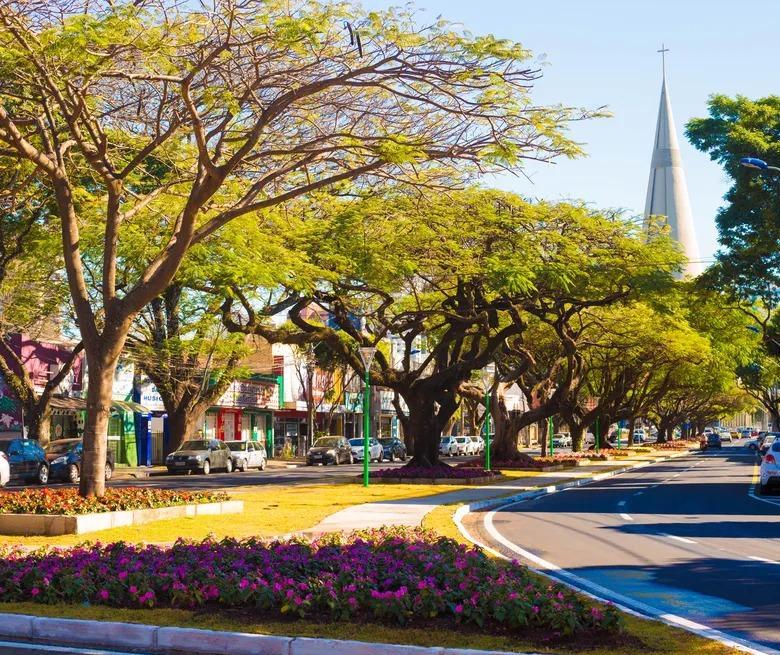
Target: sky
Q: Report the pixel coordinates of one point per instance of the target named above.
(603, 53)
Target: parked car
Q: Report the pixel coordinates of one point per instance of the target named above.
(477, 444)
(769, 439)
(393, 448)
(710, 440)
(562, 440)
(448, 446)
(203, 455)
(330, 450)
(640, 436)
(746, 433)
(247, 455)
(375, 450)
(5, 469)
(26, 460)
(725, 435)
(769, 472)
(463, 445)
(64, 457)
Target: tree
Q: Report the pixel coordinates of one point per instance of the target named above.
(197, 116)
(33, 295)
(452, 280)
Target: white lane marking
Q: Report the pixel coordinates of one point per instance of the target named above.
(621, 503)
(676, 538)
(762, 559)
(639, 493)
(596, 591)
(626, 517)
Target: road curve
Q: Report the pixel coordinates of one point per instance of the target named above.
(687, 537)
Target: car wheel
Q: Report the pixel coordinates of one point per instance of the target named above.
(206, 467)
(43, 474)
(262, 464)
(244, 467)
(763, 489)
(381, 458)
(336, 459)
(403, 456)
(73, 473)
(108, 471)
(229, 466)
(392, 456)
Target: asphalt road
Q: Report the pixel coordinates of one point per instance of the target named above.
(686, 537)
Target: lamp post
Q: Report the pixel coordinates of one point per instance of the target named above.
(366, 355)
(758, 164)
(488, 375)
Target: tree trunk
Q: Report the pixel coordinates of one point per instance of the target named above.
(37, 420)
(429, 412)
(544, 438)
(183, 422)
(577, 432)
(99, 391)
(631, 424)
(504, 445)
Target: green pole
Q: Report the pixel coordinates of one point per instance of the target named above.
(487, 430)
(366, 425)
(598, 439)
(619, 431)
(550, 432)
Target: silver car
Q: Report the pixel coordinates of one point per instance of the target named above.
(448, 446)
(247, 455)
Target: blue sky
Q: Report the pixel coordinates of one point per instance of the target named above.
(603, 52)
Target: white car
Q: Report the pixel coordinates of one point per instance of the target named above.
(725, 435)
(375, 450)
(464, 446)
(769, 473)
(247, 455)
(477, 444)
(5, 469)
(448, 446)
(562, 440)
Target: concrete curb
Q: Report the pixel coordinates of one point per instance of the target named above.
(156, 639)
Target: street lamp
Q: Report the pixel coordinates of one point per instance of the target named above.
(488, 376)
(366, 355)
(758, 164)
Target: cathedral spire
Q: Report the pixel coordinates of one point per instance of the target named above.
(667, 191)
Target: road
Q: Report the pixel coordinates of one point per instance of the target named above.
(685, 537)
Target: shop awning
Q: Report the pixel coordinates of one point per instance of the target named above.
(68, 404)
(129, 406)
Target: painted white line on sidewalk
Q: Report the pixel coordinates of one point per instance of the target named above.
(676, 538)
(626, 517)
(596, 591)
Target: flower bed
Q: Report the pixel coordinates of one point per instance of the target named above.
(527, 462)
(397, 576)
(676, 445)
(67, 502)
(442, 471)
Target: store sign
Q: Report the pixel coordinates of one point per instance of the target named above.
(151, 399)
(251, 393)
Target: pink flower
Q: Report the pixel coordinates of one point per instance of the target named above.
(133, 589)
(103, 593)
(35, 591)
(243, 584)
(535, 609)
(458, 609)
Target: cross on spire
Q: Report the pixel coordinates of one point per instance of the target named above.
(663, 52)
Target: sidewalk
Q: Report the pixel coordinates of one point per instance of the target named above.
(412, 511)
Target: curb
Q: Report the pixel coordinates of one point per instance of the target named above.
(156, 639)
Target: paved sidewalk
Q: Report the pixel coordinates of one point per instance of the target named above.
(411, 511)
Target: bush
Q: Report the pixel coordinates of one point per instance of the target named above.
(442, 471)
(397, 576)
(68, 501)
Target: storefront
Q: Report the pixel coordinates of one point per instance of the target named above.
(67, 417)
(126, 427)
(245, 412)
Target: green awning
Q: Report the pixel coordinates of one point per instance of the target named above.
(129, 406)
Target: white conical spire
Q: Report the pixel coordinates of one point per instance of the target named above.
(667, 192)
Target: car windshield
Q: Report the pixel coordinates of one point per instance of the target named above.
(195, 444)
(355, 442)
(326, 442)
(237, 445)
(446, 439)
(59, 448)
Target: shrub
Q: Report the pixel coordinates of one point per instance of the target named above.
(396, 575)
(442, 471)
(68, 501)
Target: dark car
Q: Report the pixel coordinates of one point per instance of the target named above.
(393, 449)
(26, 459)
(329, 450)
(64, 457)
(203, 455)
(710, 440)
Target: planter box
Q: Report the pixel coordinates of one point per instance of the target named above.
(470, 481)
(56, 524)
